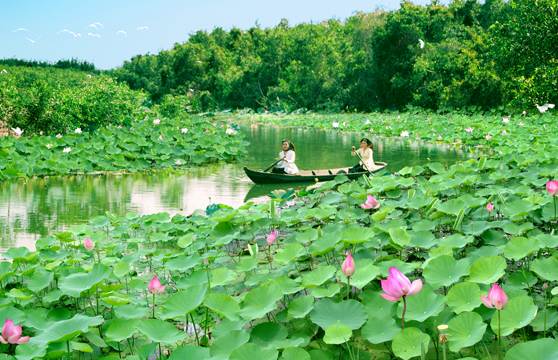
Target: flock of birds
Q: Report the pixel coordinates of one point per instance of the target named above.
(75, 34)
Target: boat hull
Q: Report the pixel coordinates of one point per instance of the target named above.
(260, 177)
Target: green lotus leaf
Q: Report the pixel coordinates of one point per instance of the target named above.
(325, 244)
(348, 312)
(521, 280)
(539, 323)
(247, 264)
(160, 331)
(24, 352)
(451, 207)
(376, 305)
(514, 229)
(127, 312)
(222, 276)
(318, 276)
(399, 236)
(519, 312)
(358, 235)
(319, 354)
(251, 351)
(445, 270)
(456, 241)
(65, 330)
(300, 307)
(546, 268)
(222, 305)
(19, 253)
(541, 349)
(519, 247)
(405, 268)
(74, 284)
(288, 253)
(464, 296)
(380, 329)
(422, 305)
(488, 269)
(422, 239)
(337, 334)
(407, 343)
(225, 326)
(547, 240)
(222, 347)
(295, 353)
(287, 286)
(260, 301)
(183, 263)
(465, 330)
(121, 269)
(184, 302)
(189, 352)
(330, 291)
(40, 280)
(519, 208)
(363, 275)
(121, 330)
(267, 332)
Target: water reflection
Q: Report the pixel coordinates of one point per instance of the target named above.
(33, 208)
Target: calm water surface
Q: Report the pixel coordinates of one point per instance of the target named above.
(32, 208)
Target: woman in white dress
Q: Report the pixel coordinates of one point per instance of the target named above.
(366, 152)
(287, 156)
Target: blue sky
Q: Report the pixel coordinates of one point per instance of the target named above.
(168, 22)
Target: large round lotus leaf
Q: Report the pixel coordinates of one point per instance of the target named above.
(400, 236)
(422, 239)
(247, 264)
(325, 244)
(488, 269)
(64, 330)
(515, 229)
(300, 306)
(223, 346)
(74, 284)
(445, 270)
(330, 291)
(293, 341)
(519, 312)
(522, 280)
(225, 326)
(422, 305)
(287, 286)
(376, 305)
(518, 208)
(407, 343)
(464, 297)
(307, 236)
(222, 276)
(465, 330)
(223, 305)
(519, 247)
(547, 240)
(318, 276)
(348, 312)
(452, 207)
(358, 235)
(541, 349)
(380, 329)
(130, 312)
(362, 276)
(253, 351)
(538, 322)
(40, 280)
(546, 268)
(337, 334)
(183, 263)
(265, 333)
(405, 268)
(184, 302)
(160, 331)
(295, 353)
(189, 352)
(24, 352)
(455, 241)
(121, 269)
(260, 301)
(319, 354)
(121, 330)
(288, 253)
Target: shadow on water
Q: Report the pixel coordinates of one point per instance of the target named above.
(31, 208)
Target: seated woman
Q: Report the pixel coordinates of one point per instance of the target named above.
(366, 152)
(287, 156)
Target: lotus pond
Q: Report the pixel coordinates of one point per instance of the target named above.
(275, 280)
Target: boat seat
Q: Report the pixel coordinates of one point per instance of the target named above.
(313, 173)
(330, 173)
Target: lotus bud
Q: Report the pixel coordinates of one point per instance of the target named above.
(12, 334)
(348, 266)
(489, 207)
(271, 238)
(496, 299)
(552, 187)
(155, 287)
(89, 245)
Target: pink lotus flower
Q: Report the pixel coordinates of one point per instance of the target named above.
(12, 334)
(439, 137)
(416, 135)
(521, 123)
(89, 245)
(552, 187)
(506, 120)
(207, 130)
(489, 207)
(504, 132)
(59, 136)
(348, 266)
(156, 122)
(40, 133)
(271, 238)
(469, 129)
(370, 203)
(497, 298)
(428, 119)
(488, 137)
(398, 285)
(178, 162)
(160, 137)
(120, 127)
(5, 134)
(371, 130)
(524, 112)
(155, 287)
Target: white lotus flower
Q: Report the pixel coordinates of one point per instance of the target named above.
(545, 107)
(184, 130)
(78, 131)
(231, 131)
(18, 131)
(367, 122)
(335, 124)
(67, 150)
(48, 146)
(156, 122)
(506, 120)
(405, 133)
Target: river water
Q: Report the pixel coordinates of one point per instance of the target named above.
(32, 208)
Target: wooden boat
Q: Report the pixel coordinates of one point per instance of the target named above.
(260, 177)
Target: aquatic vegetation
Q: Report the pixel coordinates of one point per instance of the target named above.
(146, 144)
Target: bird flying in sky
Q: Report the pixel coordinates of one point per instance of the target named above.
(33, 41)
(20, 29)
(97, 35)
(142, 28)
(68, 31)
(123, 32)
(421, 43)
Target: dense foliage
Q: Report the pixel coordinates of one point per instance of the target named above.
(51, 100)
(60, 64)
(139, 145)
(486, 55)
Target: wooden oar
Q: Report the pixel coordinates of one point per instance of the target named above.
(272, 165)
(368, 170)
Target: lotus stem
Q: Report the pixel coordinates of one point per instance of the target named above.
(348, 286)
(554, 198)
(499, 355)
(404, 309)
(153, 306)
(194, 327)
(68, 346)
(269, 256)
